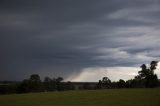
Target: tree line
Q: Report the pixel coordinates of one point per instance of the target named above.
(34, 84)
(146, 78)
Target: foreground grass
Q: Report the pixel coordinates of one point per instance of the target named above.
(108, 97)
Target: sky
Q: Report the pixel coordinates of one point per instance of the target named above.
(79, 40)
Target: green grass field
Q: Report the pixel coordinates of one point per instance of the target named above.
(108, 97)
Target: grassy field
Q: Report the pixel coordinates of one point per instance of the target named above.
(108, 97)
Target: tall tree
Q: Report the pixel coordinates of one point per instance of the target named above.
(147, 75)
(143, 73)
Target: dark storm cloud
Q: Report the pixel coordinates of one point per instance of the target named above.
(61, 37)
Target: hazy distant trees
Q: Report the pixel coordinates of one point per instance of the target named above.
(56, 84)
(49, 84)
(33, 84)
(24, 86)
(69, 86)
(8, 87)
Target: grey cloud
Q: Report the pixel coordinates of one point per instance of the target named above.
(63, 37)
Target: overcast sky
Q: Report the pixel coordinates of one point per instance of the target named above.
(80, 40)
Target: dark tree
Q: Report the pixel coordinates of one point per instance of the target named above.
(153, 65)
(47, 79)
(24, 87)
(100, 84)
(48, 84)
(147, 76)
(60, 85)
(104, 83)
(35, 78)
(143, 73)
(35, 83)
(59, 79)
(121, 83)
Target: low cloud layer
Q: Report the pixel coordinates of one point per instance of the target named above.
(113, 73)
(64, 38)
(97, 73)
